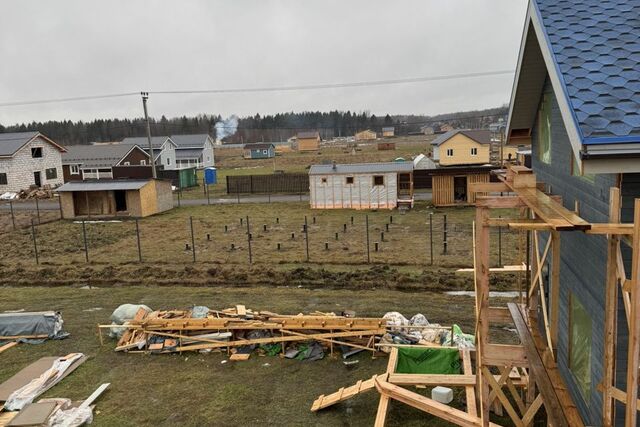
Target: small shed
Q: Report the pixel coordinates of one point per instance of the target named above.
(128, 197)
(308, 141)
(388, 131)
(361, 186)
(450, 184)
(259, 151)
(365, 135)
(384, 146)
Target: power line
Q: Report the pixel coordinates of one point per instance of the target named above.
(265, 89)
(337, 85)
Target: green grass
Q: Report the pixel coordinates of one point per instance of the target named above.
(197, 389)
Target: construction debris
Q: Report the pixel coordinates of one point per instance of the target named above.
(204, 330)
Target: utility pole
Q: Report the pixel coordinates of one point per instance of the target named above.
(145, 95)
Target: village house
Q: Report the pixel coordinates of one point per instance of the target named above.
(365, 135)
(118, 197)
(388, 131)
(194, 151)
(308, 141)
(427, 130)
(29, 159)
(259, 150)
(361, 186)
(105, 161)
(462, 147)
(164, 149)
(576, 99)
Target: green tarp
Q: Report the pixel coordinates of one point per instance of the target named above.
(413, 360)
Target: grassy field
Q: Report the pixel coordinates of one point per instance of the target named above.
(231, 162)
(197, 389)
(164, 239)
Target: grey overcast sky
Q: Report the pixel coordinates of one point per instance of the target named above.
(66, 48)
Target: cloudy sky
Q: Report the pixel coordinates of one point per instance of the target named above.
(74, 48)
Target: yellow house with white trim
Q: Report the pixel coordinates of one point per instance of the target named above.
(462, 147)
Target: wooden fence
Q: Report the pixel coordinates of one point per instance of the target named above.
(275, 183)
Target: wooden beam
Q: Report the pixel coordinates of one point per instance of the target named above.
(383, 405)
(633, 356)
(482, 305)
(610, 311)
(504, 269)
(554, 284)
(611, 228)
(499, 315)
(449, 380)
(470, 392)
(499, 202)
(497, 388)
(552, 212)
(504, 355)
(488, 187)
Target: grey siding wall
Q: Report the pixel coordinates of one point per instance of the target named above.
(583, 258)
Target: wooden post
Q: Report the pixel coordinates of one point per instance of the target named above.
(38, 209)
(633, 357)
(35, 242)
(249, 241)
(86, 245)
(610, 311)
(482, 297)
(444, 236)
(366, 220)
(193, 241)
(431, 237)
(555, 287)
(306, 236)
(13, 217)
(60, 206)
(138, 240)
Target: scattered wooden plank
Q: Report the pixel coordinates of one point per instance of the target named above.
(240, 356)
(241, 310)
(8, 345)
(343, 394)
(89, 400)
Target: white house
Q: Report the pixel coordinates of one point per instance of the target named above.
(29, 158)
(164, 149)
(361, 185)
(194, 150)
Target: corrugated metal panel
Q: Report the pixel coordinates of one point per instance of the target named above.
(335, 193)
(361, 168)
(102, 185)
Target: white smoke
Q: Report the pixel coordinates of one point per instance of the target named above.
(226, 127)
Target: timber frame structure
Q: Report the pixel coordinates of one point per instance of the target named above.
(536, 320)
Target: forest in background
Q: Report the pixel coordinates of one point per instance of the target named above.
(267, 128)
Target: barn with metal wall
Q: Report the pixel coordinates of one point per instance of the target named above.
(361, 186)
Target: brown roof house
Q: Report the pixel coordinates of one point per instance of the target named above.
(308, 141)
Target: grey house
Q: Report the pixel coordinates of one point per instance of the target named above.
(576, 98)
(194, 151)
(29, 159)
(164, 149)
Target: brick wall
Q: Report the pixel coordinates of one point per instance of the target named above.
(21, 166)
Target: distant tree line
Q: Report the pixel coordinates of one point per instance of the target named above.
(268, 128)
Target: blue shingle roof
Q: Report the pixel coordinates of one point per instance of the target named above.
(596, 44)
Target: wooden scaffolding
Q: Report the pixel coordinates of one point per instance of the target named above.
(544, 218)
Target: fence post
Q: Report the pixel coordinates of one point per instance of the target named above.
(444, 241)
(38, 209)
(306, 236)
(35, 242)
(249, 241)
(193, 240)
(208, 197)
(138, 239)
(500, 244)
(431, 237)
(366, 221)
(13, 218)
(60, 206)
(179, 191)
(84, 237)
(237, 192)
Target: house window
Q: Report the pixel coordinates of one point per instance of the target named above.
(168, 161)
(36, 152)
(580, 346)
(3, 178)
(544, 130)
(575, 171)
(323, 180)
(449, 152)
(127, 163)
(208, 158)
(474, 151)
(349, 180)
(51, 173)
(378, 180)
(143, 162)
(265, 152)
(74, 169)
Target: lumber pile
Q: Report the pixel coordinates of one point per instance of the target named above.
(244, 330)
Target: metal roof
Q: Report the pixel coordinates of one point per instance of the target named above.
(188, 153)
(258, 146)
(308, 134)
(596, 49)
(143, 142)
(95, 155)
(104, 185)
(11, 142)
(361, 168)
(387, 128)
(190, 141)
(479, 136)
